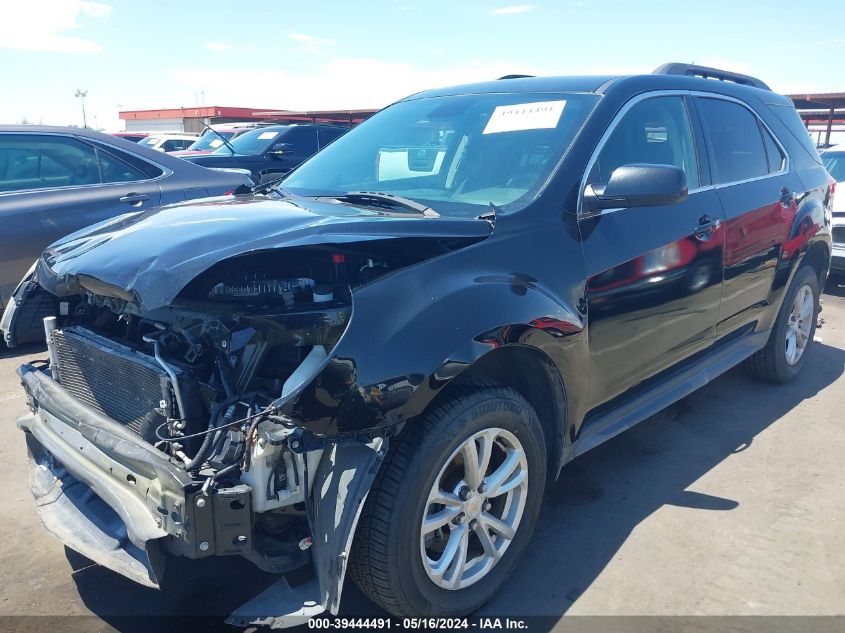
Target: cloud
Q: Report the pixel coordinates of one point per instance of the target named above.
(335, 84)
(41, 25)
(513, 10)
(310, 44)
(218, 47)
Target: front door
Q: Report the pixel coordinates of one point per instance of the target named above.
(654, 273)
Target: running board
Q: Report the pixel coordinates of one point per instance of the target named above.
(667, 392)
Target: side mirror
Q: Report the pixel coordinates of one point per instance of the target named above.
(638, 185)
(281, 149)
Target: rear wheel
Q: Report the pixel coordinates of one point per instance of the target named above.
(454, 505)
(792, 335)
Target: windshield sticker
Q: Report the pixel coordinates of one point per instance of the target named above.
(525, 116)
(216, 143)
(265, 135)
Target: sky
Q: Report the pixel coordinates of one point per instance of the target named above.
(335, 54)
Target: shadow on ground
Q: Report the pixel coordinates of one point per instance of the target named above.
(588, 513)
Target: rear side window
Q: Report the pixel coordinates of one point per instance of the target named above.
(303, 139)
(115, 170)
(326, 136)
(790, 118)
(118, 165)
(45, 161)
(777, 161)
(736, 145)
(655, 131)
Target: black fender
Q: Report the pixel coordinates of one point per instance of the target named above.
(809, 230)
(405, 344)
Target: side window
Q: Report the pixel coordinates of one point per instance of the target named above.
(303, 139)
(735, 141)
(115, 170)
(129, 162)
(777, 161)
(44, 161)
(326, 136)
(655, 131)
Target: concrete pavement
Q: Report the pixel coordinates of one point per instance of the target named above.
(728, 503)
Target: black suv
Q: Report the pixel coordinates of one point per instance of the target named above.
(384, 359)
(270, 152)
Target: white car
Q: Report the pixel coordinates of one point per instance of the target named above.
(834, 161)
(168, 142)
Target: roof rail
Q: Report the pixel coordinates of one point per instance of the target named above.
(691, 70)
(514, 77)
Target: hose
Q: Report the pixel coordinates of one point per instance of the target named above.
(200, 455)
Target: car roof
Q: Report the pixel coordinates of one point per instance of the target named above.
(606, 84)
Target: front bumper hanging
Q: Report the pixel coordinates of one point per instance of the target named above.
(103, 491)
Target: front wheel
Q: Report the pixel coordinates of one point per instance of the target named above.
(454, 505)
(792, 335)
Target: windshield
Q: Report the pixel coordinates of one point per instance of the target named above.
(456, 154)
(210, 141)
(150, 140)
(253, 142)
(834, 162)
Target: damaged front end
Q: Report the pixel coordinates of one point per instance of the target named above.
(204, 427)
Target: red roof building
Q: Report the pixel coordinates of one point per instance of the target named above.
(192, 119)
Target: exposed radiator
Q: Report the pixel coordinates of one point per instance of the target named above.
(115, 380)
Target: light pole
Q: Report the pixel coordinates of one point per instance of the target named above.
(82, 96)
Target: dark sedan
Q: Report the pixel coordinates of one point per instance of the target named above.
(54, 181)
(271, 152)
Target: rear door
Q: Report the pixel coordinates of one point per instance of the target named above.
(52, 185)
(654, 273)
(758, 192)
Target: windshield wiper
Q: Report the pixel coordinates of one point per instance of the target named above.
(222, 138)
(381, 199)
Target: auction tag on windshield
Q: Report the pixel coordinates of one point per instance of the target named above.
(265, 135)
(525, 116)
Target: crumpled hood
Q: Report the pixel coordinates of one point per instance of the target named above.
(147, 258)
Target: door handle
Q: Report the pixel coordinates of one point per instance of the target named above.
(134, 198)
(706, 226)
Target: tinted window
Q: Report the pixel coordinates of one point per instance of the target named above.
(115, 170)
(41, 161)
(790, 118)
(777, 161)
(735, 141)
(303, 139)
(654, 131)
(326, 136)
(147, 170)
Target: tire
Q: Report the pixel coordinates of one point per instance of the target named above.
(771, 364)
(388, 552)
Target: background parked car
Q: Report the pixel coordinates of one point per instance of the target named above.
(168, 142)
(55, 180)
(834, 161)
(212, 138)
(271, 152)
